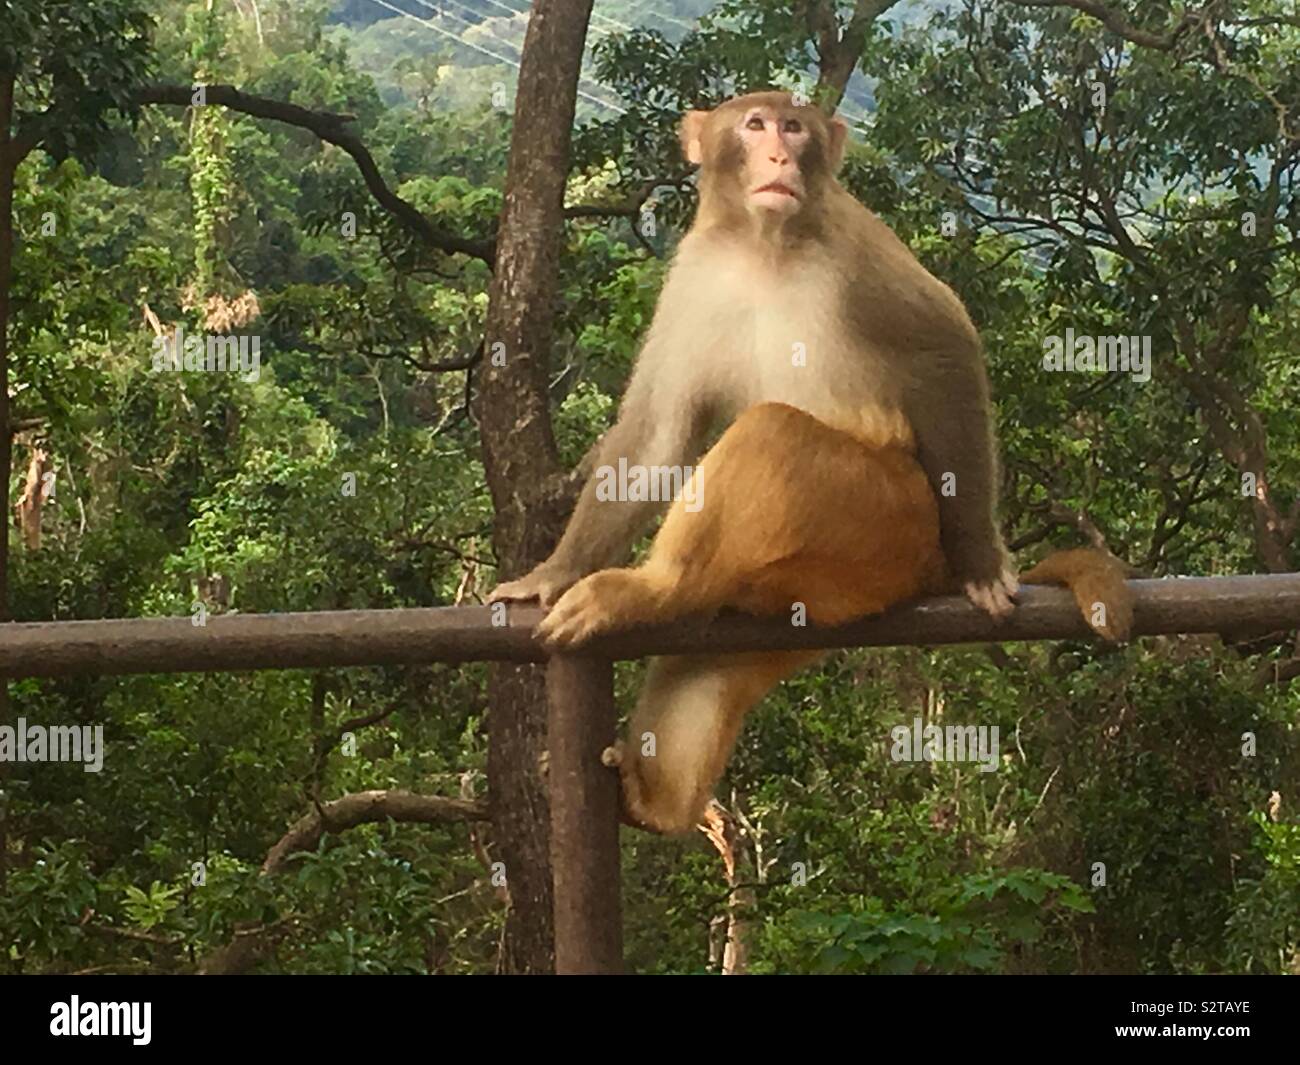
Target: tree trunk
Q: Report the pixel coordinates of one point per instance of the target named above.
(730, 935)
(519, 452)
(838, 53)
(9, 160)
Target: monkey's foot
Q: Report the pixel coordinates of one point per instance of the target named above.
(996, 597)
(585, 610)
(544, 764)
(612, 755)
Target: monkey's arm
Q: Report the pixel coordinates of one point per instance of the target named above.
(654, 428)
(952, 416)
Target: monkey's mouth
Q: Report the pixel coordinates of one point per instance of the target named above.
(776, 186)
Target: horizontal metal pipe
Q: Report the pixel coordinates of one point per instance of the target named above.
(465, 634)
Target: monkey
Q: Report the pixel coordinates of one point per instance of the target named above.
(857, 469)
(787, 289)
(847, 525)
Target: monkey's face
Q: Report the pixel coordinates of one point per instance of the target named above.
(772, 142)
(763, 154)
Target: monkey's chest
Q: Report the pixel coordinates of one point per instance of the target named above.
(791, 350)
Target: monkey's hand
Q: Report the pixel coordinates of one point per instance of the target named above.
(981, 567)
(996, 597)
(546, 583)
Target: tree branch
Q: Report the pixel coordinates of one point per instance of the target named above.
(1118, 25)
(367, 807)
(464, 362)
(838, 52)
(628, 208)
(333, 129)
(364, 807)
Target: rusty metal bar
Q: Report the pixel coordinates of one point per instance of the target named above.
(466, 634)
(584, 816)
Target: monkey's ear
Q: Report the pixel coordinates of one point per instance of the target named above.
(837, 133)
(691, 132)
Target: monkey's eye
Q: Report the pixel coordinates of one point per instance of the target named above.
(792, 125)
(755, 122)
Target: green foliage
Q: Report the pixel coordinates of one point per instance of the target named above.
(76, 63)
(44, 903)
(147, 909)
(966, 928)
(212, 177)
(1265, 924)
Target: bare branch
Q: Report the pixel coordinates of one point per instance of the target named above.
(22, 425)
(1267, 20)
(367, 807)
(333, 129)
(1279, 673)
(1058, 515)
(464, 362)
(628, 208)
(157, 938)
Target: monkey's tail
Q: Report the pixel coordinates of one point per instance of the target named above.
(1098, 583)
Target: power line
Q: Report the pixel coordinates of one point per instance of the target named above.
(859, 122)
(622, 27)
(523, 11)
(485, 51)
(614, 25)
(506, 7)
(850, 119)
(487, 29)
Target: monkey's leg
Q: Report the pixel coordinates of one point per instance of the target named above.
(795, 514)
(684, 727)
(783, 511)
(615, 599)
(685, 573)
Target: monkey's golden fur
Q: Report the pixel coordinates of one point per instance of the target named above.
(795, 511)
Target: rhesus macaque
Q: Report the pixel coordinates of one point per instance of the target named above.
(858, 471)
(795, 512)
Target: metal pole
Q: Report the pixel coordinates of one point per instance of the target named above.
(1233, 605)
(584, 816)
